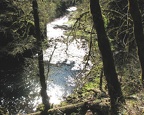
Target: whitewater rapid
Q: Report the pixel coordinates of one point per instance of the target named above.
(64, 57)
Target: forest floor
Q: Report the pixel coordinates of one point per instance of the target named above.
(88, 99)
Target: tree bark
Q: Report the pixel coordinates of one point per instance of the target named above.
(101, 80)
(45, 98)
(114, 88)
(138, 32)
(101, 108)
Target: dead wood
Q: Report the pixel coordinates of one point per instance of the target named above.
(99, 107)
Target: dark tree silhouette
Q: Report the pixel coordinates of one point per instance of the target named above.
(45, 98)
(138, 32)
(114, 88)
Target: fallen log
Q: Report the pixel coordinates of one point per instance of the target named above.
(99, 107)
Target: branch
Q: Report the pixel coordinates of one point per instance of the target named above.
(82, 107)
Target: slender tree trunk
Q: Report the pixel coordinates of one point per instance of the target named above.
(101, 81)
(114, 88)
(45, 98)
(138, 31)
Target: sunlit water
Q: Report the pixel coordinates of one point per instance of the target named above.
(66, 59)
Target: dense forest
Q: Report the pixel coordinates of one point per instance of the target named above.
(111, 81)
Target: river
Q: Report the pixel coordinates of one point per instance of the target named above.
(64, 64)
(66, 59)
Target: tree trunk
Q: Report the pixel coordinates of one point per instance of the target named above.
(114, 88)
(101, 108)
(45, 98)
(138, 32)
(101, 80)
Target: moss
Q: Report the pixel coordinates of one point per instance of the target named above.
(3, 111)
(40, 107)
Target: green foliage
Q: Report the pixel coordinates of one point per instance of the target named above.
(16, 20)
(106, 21)
(83, 29)
(92, 85)
(131, 83)
(119, 28)
(3, 111)
(17, 30)
(40, 107)
(18, 36)
(93, 78)
(17, 25)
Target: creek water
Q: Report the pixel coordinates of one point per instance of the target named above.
(64, 64)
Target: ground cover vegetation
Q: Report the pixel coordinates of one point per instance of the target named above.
(119, 26)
